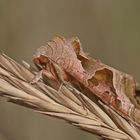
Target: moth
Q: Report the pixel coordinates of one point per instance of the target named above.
(116, 89)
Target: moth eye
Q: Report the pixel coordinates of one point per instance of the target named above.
(38, 65)
(43, 60)
(36, 61)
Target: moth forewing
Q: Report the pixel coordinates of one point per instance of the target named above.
(67, 58)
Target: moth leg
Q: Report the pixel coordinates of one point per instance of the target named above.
(36, 78)
(59, 72)
(40, 74)
(60, 87)
(62, 77)
(66, 84)
(83, 105)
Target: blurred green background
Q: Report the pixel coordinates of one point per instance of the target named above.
(109, 30)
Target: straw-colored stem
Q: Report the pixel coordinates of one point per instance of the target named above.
(67, 103)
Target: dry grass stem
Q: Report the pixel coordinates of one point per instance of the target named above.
(66, 103)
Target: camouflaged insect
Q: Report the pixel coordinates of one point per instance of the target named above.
(114, 88)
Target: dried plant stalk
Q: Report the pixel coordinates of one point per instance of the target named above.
(67, 103)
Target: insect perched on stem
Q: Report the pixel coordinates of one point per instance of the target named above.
(64, 60)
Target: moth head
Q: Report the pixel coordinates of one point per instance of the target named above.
(40, 58)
